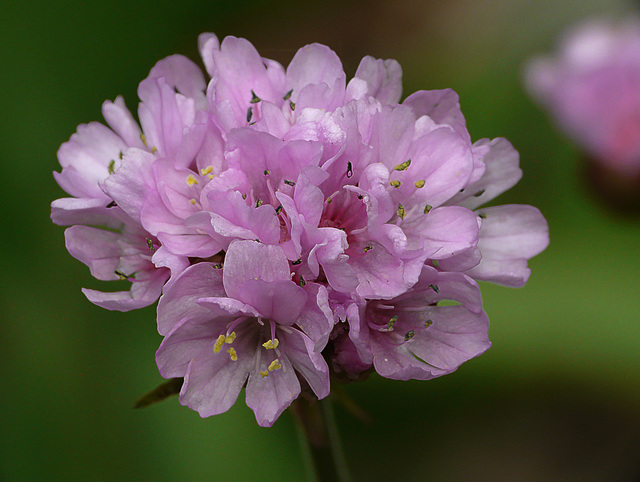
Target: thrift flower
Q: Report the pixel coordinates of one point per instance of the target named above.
(250, 324)
(301, 227)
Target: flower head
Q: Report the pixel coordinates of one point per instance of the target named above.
(302, 219)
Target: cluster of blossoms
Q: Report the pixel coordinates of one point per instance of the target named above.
(296, 225)
(592, 89)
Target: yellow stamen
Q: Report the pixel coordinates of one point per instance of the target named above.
(154, 149)
(218, 346)
(232, 353)
(420, 183)
(395, 183)
(403, 166)
(275, 365)
(206, 170)
(264, 374)
(230, 337)
(192, 201)
(191, 180)
(392, 322)
(271, 344)
(143, 139)
(401, 212)
(211, 176)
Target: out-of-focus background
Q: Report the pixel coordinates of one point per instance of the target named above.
(556, 398)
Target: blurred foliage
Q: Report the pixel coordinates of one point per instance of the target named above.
(558, 395)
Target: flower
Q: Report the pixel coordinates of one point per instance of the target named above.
(591, 88)
(301, 227)
(261, 329)
(107, 171)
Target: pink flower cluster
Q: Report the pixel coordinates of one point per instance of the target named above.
(592, 89)
(297, 225)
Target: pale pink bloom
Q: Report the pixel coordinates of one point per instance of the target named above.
(301, 217)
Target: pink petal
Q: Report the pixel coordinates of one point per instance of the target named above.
(383, 78)
(502, 173)
(122, 122)
(249, 260)
(509, 236)
(440, 105)
(269, 396)
(200, 280)
(313, 64)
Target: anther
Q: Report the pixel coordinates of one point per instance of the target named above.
(154, 149)
(420, 184)
(427, 208)
(279, 209)
(287, 95)
(403, 166)
(218, 345)
(292, 105)
(259, 203)
(217, 266)
(482, 215)
(264, 374)
(392, 322)
(191, 180)
(349, 169)
(297, 261)
(254, 98)
(122, 276)
(302, 281)
(112, 167)
(395, 183)
(428, 323)
(289, 183)
(206, 170)
(409, 335)
(112, 204)
(150, 244)
(249, 114)
(143, 139)
(367, 248)
(271, 344)
(434, 288)
(192, 201)
(266, 172)
(230, 337)
(232, 354)
(275, 365)
(401, 212)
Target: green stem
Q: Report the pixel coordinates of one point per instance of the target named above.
(320, 441)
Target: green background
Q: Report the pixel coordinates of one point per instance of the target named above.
(556, 398)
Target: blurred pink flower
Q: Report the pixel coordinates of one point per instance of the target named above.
(591, 87)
